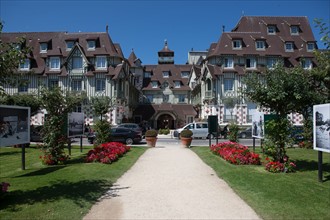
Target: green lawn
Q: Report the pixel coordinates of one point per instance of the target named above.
(296, 195)
(56, 192)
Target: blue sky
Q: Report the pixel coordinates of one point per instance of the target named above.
(144, 25)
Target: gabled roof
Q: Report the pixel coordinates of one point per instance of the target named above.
(57, 45)
(174, 75)
(254, 28)
(132, 59)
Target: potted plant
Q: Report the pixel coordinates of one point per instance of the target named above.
(151, 137)
(186, 137)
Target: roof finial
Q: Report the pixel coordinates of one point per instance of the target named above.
(223, 28)
(165, 42)
(107, 28)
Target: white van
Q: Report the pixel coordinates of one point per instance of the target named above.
(199, 129)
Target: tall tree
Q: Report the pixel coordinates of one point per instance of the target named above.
(11, 56)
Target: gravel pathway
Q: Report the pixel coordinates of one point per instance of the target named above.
(170, 182)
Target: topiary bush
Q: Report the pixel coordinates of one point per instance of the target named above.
(151, 133)
(186, 133)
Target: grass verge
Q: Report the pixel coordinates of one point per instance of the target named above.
(296, 195)
(56, 192)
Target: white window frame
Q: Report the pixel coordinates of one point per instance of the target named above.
(69, 45)
(310, 46)
(181, 98)
(43, 47)
(185, 74)
(91, 44)
(147, 74)
(154, 84)
(177, 84)
(253, 63)
(294, 30)
(289, 47)
(54, 63)
(271, 29)
(237, 44)
(228, 84)
(306, 63)
(260, 45)
(76, 85)
(25, 66)
(271, 62)
(228, 62)
(166, 74)
(101, 62)
(100, 85)
(77, 60)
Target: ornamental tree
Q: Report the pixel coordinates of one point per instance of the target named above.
(57, 104)
(101, 106)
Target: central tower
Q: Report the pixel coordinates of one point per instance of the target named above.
(165, 56)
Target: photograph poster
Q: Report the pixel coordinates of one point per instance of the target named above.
(14, 125)
(76, 124)
(258, 125)
(321, 127)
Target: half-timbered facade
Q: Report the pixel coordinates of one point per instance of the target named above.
(83, 62)
(254, 45)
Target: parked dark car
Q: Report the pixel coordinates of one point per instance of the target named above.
(132, 126)
(119, 134)
(247, 133)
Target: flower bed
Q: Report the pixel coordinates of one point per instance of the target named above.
(107, 152)
(278, 167)
(235, 153)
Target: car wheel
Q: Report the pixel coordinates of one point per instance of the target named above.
(129, 141)
(243, 135)
(210, 136)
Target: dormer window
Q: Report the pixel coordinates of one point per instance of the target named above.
(54, 63)
(147, 74)
(91, 45)
(310, 47)
(237, 44)
(177, 84)
(166, 74)
(289, 46)
(185, 74)
(43, 47)
(101, 62)
(294, 30)
(69, 45)
(154, 84)
(260, 45)
(271, 29)
(25, 66)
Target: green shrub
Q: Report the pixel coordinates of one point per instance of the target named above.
(186, 133)
(165, 131)
(151, 133)
(233, 132)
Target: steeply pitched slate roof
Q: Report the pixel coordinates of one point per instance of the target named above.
(132, 58)
(250, 29)
(57, 45)
(174, 75)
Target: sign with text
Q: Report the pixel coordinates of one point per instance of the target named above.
(76, 124)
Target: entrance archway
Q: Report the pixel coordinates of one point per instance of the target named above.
(165, 121)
